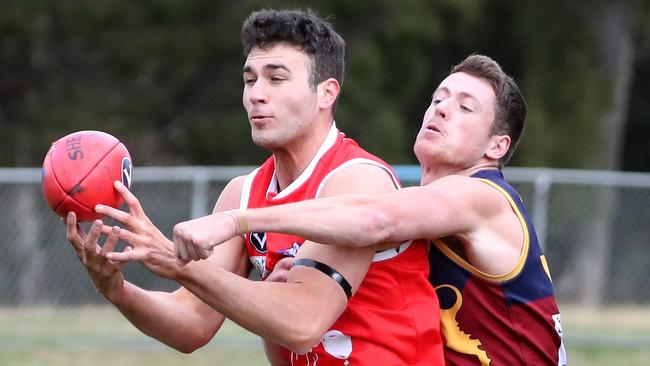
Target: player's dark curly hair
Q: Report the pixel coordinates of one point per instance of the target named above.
(510, 110)
(303, 29)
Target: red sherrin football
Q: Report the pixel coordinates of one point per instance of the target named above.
(79, 171)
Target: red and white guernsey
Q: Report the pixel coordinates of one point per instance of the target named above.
(393, 319)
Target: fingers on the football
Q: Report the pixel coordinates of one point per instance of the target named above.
(93, 235)
(106, 229)
(73, 227)
(71, 231)
(111, 242)
(129, 237)
(131, 201)
(115, 214)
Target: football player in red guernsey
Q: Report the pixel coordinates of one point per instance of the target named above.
(365, 305)
(496, 296)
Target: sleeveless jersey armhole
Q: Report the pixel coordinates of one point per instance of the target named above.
(384, 254)
(477, 272)
(356, 161)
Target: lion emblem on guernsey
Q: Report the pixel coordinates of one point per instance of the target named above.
(457, 339)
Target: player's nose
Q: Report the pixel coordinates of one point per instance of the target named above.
(442, 109)
(258, 93)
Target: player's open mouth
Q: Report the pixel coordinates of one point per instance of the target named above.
(432, 127)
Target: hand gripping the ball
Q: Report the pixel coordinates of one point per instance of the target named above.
(105, 274)
(150, 246)
(195, 239)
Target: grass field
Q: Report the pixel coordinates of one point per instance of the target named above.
(101, 337)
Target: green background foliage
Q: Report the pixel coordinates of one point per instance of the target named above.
(165, 75)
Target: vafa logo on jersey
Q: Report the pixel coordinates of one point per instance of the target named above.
(258, 240)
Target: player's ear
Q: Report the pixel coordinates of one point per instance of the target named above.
(498, 147)
(328, 90)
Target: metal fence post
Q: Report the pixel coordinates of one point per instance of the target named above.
(541, 199)
(199, 194)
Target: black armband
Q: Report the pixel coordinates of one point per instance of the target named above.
(327, 270)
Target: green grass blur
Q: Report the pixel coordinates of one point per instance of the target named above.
(100, 336)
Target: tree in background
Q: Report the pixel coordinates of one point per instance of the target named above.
(164, 76)
(614, 24)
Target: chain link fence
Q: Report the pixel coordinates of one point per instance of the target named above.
(593, 226)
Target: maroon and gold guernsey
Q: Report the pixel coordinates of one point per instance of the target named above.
(505, 320)
(393, 319)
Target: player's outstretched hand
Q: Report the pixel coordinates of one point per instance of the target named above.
(194, 239)
(105, 274)
(150, 246)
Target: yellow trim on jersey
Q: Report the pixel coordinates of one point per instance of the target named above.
(542, 258)
(477, 272)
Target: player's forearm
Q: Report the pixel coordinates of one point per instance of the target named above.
(284, 313)
(351, 220)
(161, 316)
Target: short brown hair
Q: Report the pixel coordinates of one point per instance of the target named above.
(303, 29)
(510, 109)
